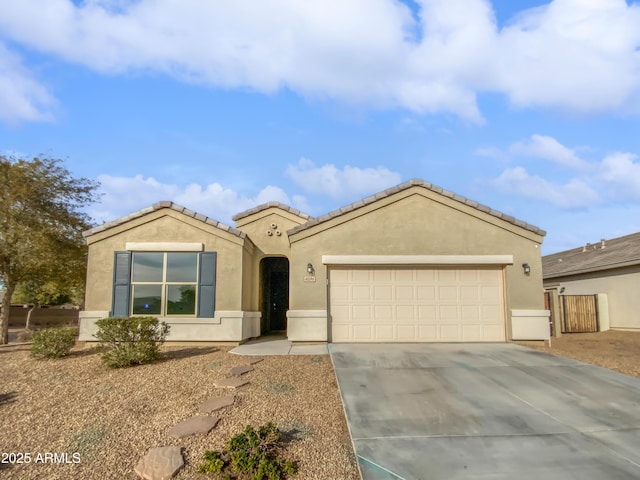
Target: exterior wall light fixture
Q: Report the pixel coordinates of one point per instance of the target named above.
(310, 269)
(526, 268)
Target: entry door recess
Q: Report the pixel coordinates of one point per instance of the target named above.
(416, 304)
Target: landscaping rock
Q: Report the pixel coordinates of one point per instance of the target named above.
(255, 360)
(234, 382)
(216, 403)
(241, 370)
(193, 426)
(160, 463)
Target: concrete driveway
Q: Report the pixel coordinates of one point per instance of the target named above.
(486, 411)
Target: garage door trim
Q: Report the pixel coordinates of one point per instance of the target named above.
(417, 260)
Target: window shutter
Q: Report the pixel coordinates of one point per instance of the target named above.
(207, 284)
(121, 284)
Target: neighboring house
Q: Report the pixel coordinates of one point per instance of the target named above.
(610, 267)
(414, 263)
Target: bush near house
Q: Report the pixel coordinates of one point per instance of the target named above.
(130, 341)
(251, 454)
(53, 342)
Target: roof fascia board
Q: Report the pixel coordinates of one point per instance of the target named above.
(254, 217)
(582, 271)
(160, 213)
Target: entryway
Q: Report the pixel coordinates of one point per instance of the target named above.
(274, 288)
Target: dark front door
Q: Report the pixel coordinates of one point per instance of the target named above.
(274, 273)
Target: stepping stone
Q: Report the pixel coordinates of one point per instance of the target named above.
(253, 361)
(233, 382)
(193, 426)
(160, 463)
(241, 370)
(216, 403)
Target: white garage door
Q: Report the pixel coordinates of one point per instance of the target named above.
(414, 304)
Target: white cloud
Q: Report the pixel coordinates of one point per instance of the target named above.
(123, 195)
(580, 55)
(347, 183)
(613, 179)
(573, 194)
(22, 97)
(620, 172)
(548, 148)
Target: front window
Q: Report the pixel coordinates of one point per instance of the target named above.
(164, 283)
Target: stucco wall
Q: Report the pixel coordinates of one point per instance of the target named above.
(416, 222)
(622, 287)
(164, 226)
(273, 220)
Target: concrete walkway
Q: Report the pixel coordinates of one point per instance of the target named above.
(278, 345)
(486, 411)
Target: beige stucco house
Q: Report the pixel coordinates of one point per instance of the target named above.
(414, 263)
(609, 269)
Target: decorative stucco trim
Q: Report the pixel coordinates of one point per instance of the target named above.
(417, 259)
(164, 247)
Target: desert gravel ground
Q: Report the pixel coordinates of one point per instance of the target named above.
(613, 349)
(112, 417)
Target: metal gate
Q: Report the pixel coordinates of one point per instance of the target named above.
(579, 313)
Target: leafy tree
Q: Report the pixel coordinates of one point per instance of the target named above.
(41, 225)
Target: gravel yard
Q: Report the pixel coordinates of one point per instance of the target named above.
(112, 417)
(616, 350)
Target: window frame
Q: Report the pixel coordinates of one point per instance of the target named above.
(164, 284)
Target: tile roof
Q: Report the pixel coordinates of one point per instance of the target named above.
(159, 206)
(617, 252)
(404, 186)
(267, 205)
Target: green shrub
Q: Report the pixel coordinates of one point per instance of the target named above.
(53, 342)
(130, 341)
(250, 454)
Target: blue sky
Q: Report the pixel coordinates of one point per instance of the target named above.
(530, 107)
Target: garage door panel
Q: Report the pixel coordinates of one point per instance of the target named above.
(382, 276)
(361, 313)
(406, 333)
(427, 312)
(446, 275)
(469, 293)
(425, 293)
(468, 276)
(382, 313)
(405, 293)
(405, 312)
(360, 276)
(472, 332)
(384, 332)
(361, 293)
(428, 333)
(448, 293)
(362, 332)
(448, 312)
(404, 276)
(470, 313)
(370, 304)
(449, 332)
(382, 293)
(491, 293)
(491, 313)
